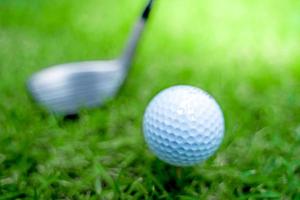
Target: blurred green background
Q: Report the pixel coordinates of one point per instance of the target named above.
(245, 53)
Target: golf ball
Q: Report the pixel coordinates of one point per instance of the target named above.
(183, 125)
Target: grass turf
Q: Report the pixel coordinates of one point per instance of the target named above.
(245, 53)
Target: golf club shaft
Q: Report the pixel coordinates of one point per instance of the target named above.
(136, 34)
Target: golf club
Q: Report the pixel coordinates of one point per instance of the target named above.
(66, 88)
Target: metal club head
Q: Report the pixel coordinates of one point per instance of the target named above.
(66, 88)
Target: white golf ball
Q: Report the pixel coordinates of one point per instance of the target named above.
(183, 125)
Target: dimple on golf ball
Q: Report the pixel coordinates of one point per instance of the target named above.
(183, 125)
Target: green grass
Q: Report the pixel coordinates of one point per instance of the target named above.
(245, 53)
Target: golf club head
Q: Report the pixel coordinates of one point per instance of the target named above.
(65, 89)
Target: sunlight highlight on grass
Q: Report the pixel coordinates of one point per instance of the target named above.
(247, 31)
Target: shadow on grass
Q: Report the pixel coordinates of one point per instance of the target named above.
(71, 118)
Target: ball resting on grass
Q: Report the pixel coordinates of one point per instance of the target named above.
(183, 125)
